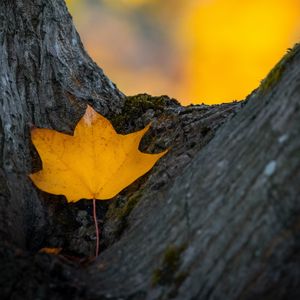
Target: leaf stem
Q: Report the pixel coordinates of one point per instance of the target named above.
(96, 227)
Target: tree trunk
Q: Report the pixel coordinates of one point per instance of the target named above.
(217, 217)
(46, 80)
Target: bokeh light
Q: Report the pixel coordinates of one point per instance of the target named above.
(208, 51)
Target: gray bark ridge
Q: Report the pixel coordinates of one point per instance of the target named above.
(227, 227)
(46, 79)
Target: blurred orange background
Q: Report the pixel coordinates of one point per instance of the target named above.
(198, 51)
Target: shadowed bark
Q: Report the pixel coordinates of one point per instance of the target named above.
(217, 217)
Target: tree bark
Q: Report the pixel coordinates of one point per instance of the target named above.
(46, 80)
(217, 217)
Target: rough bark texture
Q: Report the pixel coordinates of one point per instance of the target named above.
(46, 78)
(218, 216)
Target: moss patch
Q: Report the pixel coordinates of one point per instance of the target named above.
(276, 73)
(135, 106)
(121, 214)
(167, 273)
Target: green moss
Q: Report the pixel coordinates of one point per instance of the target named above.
(276, 73)
(121, 214)
(131, 203)
(166, 273)
(179, 279)
(135, 106)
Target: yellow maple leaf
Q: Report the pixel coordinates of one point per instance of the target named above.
(95, 163)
